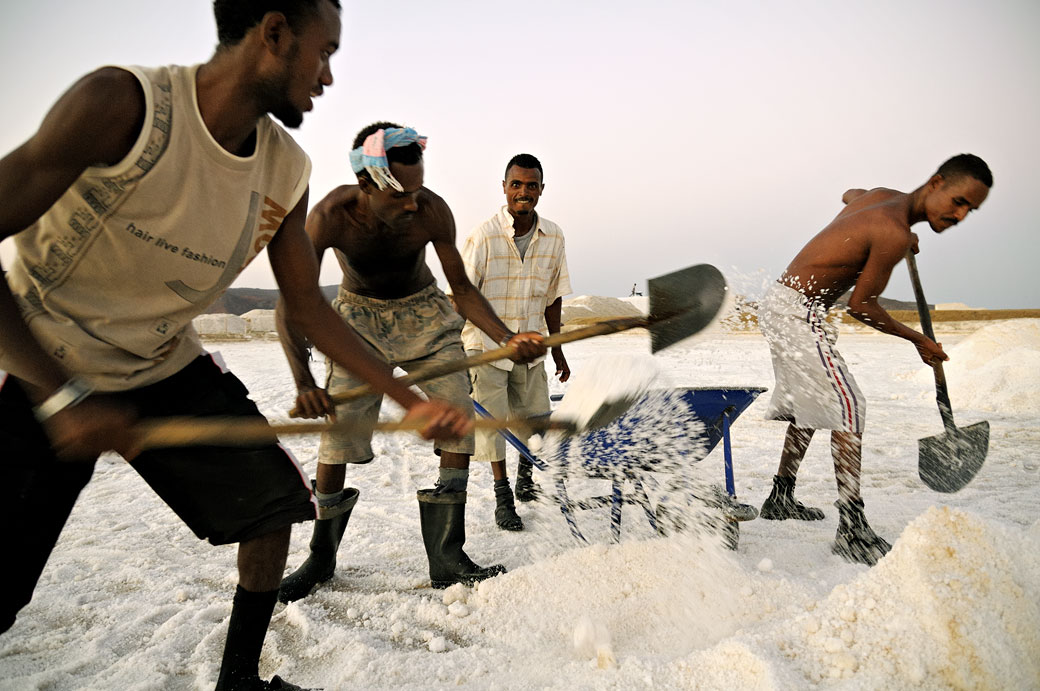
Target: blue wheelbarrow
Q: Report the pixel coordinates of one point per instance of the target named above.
(658, 437)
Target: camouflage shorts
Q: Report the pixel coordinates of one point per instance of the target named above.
(409, 332)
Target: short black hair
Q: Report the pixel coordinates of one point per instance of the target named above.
(966, 165)
(236, 17)
(408, 155)
(524, 161)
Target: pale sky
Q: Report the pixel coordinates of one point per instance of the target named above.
(672, 133)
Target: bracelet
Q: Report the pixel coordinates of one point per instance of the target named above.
(504, 343)
(67, 395)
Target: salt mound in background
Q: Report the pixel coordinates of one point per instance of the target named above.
(996, 368)
(594, 306)
(219, 325)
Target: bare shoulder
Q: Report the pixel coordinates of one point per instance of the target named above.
(103, 112)
(330, 218)
(882, 224)
(110, 82)
(110, 94)
(872, 196)
(875, 203)
(438, 217)
(333, 204)
(433, 201)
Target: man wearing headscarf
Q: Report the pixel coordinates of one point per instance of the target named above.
(379, 230)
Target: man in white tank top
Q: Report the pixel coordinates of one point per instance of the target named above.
(135, 205)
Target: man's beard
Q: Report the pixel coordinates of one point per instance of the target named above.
(273, 95)
(288, 115)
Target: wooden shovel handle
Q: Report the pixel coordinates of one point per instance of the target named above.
(942, 395)
(489, 356)
(231, 431)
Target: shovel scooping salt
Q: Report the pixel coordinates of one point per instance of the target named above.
(604, 390)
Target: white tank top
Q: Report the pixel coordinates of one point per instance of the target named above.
(111, 276)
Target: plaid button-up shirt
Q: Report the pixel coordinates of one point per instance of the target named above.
(518, 289)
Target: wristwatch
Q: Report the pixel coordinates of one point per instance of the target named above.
(67, 395)
(504, 343)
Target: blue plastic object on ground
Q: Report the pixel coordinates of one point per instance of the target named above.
(609, 452)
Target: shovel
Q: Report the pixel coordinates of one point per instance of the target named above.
(681, 304)
(249, 431)
(948, 461)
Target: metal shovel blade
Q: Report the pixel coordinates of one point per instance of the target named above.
(948, 461)
(608, 412)
(684, 302)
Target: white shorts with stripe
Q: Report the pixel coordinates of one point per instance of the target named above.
(814, 387)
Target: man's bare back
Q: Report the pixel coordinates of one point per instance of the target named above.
(861, 246)
(874, 226)
(377, 259)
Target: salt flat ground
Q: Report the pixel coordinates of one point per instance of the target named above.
(131, 600)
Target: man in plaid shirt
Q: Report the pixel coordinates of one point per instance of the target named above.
(517, 260)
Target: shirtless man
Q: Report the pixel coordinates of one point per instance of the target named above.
(379, 230)
(814, 388)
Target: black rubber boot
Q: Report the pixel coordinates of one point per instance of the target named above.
(855, 540)
(505, 510)
(443, 520)
(526, 489)
(781, 505)
(321, 564)
(258, 684)
(250, 617)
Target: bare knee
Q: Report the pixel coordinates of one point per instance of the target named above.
(261, 560)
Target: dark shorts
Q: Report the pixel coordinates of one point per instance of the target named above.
(223, 494)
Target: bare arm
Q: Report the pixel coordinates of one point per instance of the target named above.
(312, 401)
(308, 317)
(552, 322)
(469, 301)
(886, 250)
(94, 122)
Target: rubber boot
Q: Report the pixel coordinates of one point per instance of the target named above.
(855, 540)
(443, 520)
(321, 563)
(250, 617)
(781, 505)
(505, 510)
(526, 489)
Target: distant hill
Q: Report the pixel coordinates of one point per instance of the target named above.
(242, 300)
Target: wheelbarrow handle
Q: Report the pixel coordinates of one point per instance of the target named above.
(942, 395)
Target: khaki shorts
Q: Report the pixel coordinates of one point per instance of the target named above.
(520, 392)
(409, 332)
